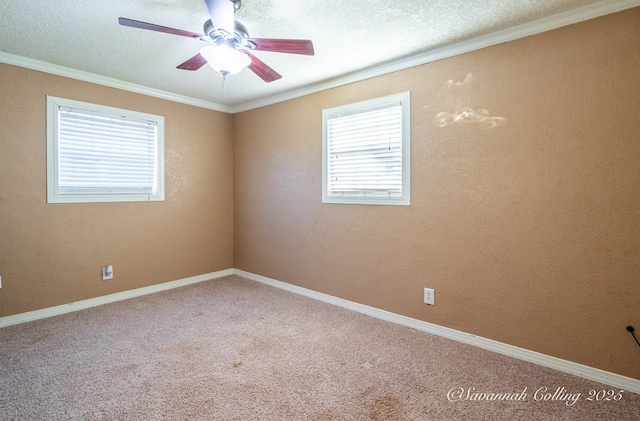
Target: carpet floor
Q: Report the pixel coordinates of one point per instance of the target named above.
(233, 349)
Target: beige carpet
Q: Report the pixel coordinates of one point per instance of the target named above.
(232, 349)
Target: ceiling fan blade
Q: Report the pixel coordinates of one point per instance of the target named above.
(291, 46)
(194, 63)
(159, 28)
(221, 13)
(260, 68)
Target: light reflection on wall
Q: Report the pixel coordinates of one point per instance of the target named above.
(458, 99)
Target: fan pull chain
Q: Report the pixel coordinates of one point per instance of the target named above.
(224, 91)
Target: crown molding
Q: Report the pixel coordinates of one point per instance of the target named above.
(570, 17)
(58, 70)
(567, 18)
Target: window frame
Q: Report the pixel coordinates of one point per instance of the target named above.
(403, 99)
(53, 192)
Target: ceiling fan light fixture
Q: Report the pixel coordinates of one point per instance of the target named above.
(225, 59)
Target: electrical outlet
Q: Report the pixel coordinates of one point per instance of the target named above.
(429, 296)
(0, 281)
(107, 272)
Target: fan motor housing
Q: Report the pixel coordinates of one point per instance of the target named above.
(241, 32)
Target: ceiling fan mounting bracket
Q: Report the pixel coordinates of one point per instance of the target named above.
(237, 5)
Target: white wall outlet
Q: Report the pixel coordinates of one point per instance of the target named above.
(107, 272)
(0, 281)
(429, 296)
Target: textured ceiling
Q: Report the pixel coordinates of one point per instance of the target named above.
(348, 35)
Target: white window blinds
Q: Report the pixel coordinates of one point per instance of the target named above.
(102, 155)
(366, 148)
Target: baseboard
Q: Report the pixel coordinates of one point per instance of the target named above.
(595, 374)
(106, 299)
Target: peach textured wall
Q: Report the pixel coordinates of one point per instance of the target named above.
(51, 254)
(527, 223)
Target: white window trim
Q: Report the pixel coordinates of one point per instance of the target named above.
(404, 99)
(53, 194)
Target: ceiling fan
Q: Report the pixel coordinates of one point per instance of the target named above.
(228, 43)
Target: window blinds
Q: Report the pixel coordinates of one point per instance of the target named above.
(365, 153)
(101, 153)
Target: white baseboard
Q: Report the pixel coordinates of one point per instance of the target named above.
(595, 374)
(106, 299)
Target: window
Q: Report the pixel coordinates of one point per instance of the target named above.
(103, 154)
(365, 152)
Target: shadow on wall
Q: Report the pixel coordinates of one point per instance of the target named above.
(458, 98)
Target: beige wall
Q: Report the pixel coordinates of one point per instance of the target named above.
(529, 231)
(51, 254)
